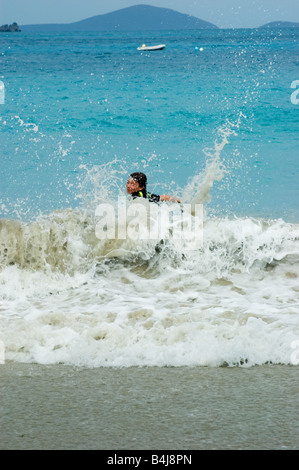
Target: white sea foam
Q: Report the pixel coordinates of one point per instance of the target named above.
(68, 297)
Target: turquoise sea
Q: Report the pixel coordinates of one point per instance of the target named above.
(89, 99)
(212, 119)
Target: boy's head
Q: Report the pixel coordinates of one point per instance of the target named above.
(136, 182)
(140, 178)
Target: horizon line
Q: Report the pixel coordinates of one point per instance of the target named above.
(154, 7)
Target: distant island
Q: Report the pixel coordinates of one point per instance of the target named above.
(280, 24)
(136, 18)
(12, 28)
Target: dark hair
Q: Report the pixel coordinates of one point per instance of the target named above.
(140, 178)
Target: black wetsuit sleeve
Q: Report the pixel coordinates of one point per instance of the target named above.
(149, 196)
(153, 197)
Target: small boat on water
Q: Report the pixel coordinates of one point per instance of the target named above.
(151, 48)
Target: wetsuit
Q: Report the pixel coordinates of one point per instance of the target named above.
(145, 194)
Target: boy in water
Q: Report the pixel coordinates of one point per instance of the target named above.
(136, 187)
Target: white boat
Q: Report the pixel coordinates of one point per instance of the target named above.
(151, 48)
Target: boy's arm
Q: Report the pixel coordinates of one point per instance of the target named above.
(166, 197)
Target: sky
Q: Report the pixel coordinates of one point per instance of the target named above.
(222, 13)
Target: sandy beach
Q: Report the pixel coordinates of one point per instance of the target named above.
(61, 407)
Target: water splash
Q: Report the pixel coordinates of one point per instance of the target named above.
(101, 183)
(199, 186)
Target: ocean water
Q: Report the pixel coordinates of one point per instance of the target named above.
(211, 119)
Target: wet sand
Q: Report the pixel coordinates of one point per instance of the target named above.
(63, 407)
